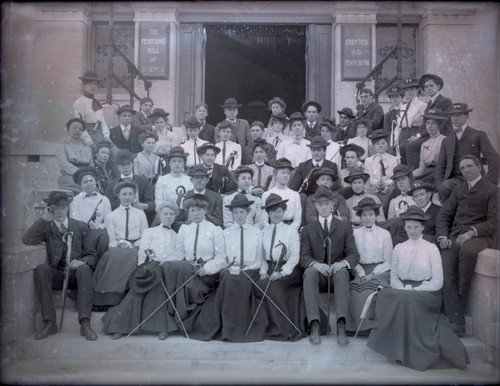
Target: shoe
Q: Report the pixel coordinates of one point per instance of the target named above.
(116, 336)
(315, 338)
(162, 335)
(86, 330)
(458, 329)
(342, 339)
(50, 328)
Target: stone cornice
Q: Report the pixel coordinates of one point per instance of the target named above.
(117, 16)
(448, 16)
(63, 14)
(263, 18)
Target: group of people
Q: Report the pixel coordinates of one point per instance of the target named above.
(232, 232)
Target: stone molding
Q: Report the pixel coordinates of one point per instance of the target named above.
(235, 17)
(448, 16)
(74, 15)
(355, 18)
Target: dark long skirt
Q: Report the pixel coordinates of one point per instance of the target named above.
(359, 290)
(228, 311)
(111, 275)
(287, 294)
(409, 328)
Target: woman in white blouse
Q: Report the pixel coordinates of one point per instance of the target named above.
(374, 245)
(409, 327)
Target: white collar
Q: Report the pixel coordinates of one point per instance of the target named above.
(427, 206)
(262, 164)
(317, 163)
(123, 207)
(131, 176)
(124, 127)
(473, 182)
(435, 96)
(328, 219)
(58, 224)
(202, 192)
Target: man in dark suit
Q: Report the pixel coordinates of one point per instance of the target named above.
(241, 132)
(53, 229)
(465, 226)
(370, 109)
(220, 179)
(207, 131)
(432, 85)
(313, 259)
(126, 136)
(140, 120)
(311, 110)
(344, 129)
(145, 194)
(465, 140)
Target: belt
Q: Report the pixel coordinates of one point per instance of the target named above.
(413, 283)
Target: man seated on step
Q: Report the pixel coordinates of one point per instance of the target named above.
(313, 259)
(53, 229)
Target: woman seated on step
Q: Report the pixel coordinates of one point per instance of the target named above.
(409, 327)
(146, 300)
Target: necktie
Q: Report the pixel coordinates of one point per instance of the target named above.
(63, 229)
(126, 133)
(259, 176)
(273, 237)
(276, 141)
(242, 246)
(210, 172)
(195, 148)
(195, 250)
(95, 104)
(325, 228)
(429, 104)
(382, 167)
(166, 227)
(90, 194)
(458, 130)
(126, 222)
(223, 153)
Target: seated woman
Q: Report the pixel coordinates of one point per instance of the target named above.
(409, 327)
(281, 275)
(105, 168)
(374, 245)
(92, 208)
(362, 127)
(72, 154)
(157, 245)
(262, 179)
(429, 152)
(200, 249)
(146, 162)
(125, 226)
(228, 311)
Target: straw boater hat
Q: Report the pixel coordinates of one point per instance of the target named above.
(355, 174)
(89, 76)
(437, 79)
(414, 213)
(240, 201)
(82, 172)
(352, 147)
(366, 203)
(436, 114)
(400, 171)
(206, 146)
(311, 103)
(272, 201)
(125, 108)
(347, 111)
(230, 102)
(326, 171)
(57, 197)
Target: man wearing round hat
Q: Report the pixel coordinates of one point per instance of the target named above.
(313, 259)
(89, 110)
(53, 229)
(370, 109)
(220, 179)
(465, 140)
(126, 136)
(311, 110)
(344, 129)
(241, 132)
(140, 120)
(207, 131)
(295, 148)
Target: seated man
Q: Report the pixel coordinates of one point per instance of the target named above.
(344, 128)
(466, 224)
(140, 120)
(219, 177)
(126, 136)
(311, 110)
(370, 109)
(53, 229)
(313, 259)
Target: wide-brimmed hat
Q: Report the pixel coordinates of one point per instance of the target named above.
(206, 146)
(89, 76)
(125, 108)
(198, 171)
(355, 174)
(326, 171)
(192, 123)
(177, 151)
(82, 172)
(283, 163)
(420, 185)
(436, 78)
(323, 193)
(318, 141)
(351, 147)
(123, 155)
(280, 117)
(240, 201)
(273, 200)
(414, 213)
(158, 113)
(57, 197)
(230, 102)
(459, 108)
(347, 111)
(395, 90)
(145, 100)
(145, 277)
(400, 171)
(365, 204)
(380, 133)
(243, 169)
(437, 114)
(311, 103)
(297, 116)
(410, 82)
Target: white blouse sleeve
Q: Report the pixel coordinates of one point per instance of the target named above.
(293, 253)
(395, 281)
(436, 281)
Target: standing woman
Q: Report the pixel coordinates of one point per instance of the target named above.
(146, 162)
(72, 154)
(105, 168)
(281, 274)
(409, 326)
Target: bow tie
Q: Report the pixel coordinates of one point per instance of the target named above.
(166, 227)
(91, 194)
(96, 106)
(358, 194)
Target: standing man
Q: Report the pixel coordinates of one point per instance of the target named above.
(140, 120)
(370, 109)
(241, 132)
(126, 136)
(296, 147)
(313, 259)
(466, 224)
(344, 130)
(311, 110)
(207, 131)
(52, 229)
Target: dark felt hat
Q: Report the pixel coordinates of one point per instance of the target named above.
(437, 114)
(414, 213)
(158, 113)
(198, 171)
(297, 116)
(352, 147)
(410, 82)
(326, 171)
(355, 174)
(177, 151)
(230, 102)
(206, 146)
(82, 172)
(366, 203)
(125, 108)
(459, 108)
(240, 201)
(89, 76)
(273, 200)
(395, 90)
(192, 123)
(123, 155)
(280, 117)
(242, 169)
(283, 163)
(380, 133)
(145, 277)
(347, 111)
(436, 78)
(420, 185)
(57, 197)
(318, 141)
(311, 103)
(323, 193)
(400, 171)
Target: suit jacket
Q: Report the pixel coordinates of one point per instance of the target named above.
(343, 244)
(340, 205)
(343, 136)
(144, 189)
(215, 182)
(241, 133)
(214, 211)
(444, 104)
(47, 232)
(464, 209)
(473, 142)
(141, 122)
(207, 132)
(375, 113)
(312, 132)
(389, 117)
(303, 171)
(132, 145)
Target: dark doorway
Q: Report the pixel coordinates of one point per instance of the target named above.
(254, 63)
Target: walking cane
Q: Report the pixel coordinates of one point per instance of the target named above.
(327, 242)
(68, 238)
